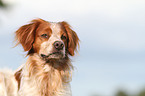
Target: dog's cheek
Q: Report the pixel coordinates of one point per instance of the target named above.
(37, 45)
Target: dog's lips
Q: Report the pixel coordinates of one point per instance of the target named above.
(54, 55)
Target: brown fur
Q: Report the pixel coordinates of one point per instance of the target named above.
(18, 77)
(51, 82)
(73, 40)
(60, 70)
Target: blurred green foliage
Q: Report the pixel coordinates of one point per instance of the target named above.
(2, 4)
(121, 93)
(142, 93)
(124, 93)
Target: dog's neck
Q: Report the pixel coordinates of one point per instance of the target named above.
(51, 76)
(62, 64)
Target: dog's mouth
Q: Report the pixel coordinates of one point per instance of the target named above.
(54, 55)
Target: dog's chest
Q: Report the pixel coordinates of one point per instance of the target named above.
(32, 88)
(29, 88)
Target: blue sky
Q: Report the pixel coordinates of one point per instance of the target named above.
(112, 34)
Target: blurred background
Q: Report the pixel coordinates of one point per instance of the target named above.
(111, 60)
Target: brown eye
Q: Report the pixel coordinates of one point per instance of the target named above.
(63, 37)
(44, 36)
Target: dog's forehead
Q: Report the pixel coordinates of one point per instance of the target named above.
(56, 28)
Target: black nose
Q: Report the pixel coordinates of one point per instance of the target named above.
(58, 45)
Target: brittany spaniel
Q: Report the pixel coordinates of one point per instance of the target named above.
(47, 72)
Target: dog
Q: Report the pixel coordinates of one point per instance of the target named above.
(47, 71)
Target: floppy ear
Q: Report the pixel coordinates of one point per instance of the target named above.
(73, 40)
(25, 35)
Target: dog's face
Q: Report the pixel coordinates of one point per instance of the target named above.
(48, 40)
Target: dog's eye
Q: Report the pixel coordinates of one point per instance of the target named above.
(63, 37)
(44, 35)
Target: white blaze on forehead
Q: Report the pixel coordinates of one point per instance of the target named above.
(47, 47)
(56, 28)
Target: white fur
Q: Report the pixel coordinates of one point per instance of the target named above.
(47, 46)
(31, 83)
(29, 86)
(8, 84)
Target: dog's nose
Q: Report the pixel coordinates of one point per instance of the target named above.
(58, 45)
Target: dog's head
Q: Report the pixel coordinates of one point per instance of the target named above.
(48, 39)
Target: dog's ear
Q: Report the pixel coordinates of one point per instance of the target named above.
(25, 35)
(73, 40)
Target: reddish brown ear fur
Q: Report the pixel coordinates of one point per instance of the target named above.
(25, 34)
(73, 40)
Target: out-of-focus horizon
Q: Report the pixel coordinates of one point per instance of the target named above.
(112, 47)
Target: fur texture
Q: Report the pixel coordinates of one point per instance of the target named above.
(48, 69)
